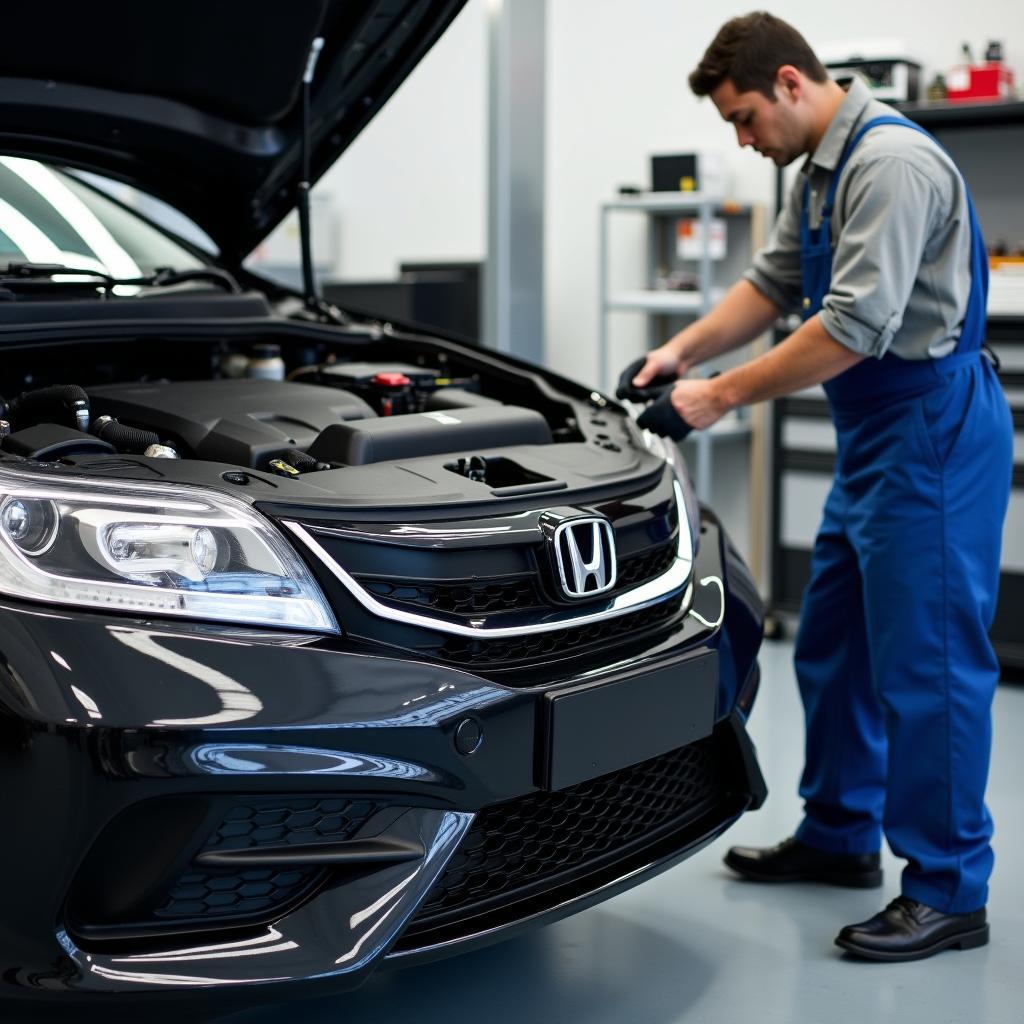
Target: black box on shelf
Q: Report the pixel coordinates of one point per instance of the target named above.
(675, 172)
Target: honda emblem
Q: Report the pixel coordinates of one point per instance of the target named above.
(585, 556)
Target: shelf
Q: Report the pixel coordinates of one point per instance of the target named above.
(1006, 293)
(661, 213)
(964, 113)
(1010, 322)
(651, 301)
(677, 202)
(725, 428)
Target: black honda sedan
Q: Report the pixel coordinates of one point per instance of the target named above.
(325, 643)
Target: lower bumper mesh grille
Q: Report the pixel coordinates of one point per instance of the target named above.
(237, 893)
(217, 894)
(523, 847)
(126, 891)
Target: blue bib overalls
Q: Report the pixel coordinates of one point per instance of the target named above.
(893, 660)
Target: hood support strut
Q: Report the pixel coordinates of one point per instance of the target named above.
(309, 286)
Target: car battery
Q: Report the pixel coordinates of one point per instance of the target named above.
(392, 389)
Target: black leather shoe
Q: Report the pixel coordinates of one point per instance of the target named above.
(908, 930)
(792, 861)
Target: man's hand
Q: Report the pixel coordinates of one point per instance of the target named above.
(699, 402)
(651, 388)
(741, 316)
(661, 362)
(688, 405)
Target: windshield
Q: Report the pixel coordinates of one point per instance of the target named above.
(48, 216)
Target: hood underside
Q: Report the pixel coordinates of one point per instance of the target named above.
(199, 104)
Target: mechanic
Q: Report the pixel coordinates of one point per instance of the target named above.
(878, 246)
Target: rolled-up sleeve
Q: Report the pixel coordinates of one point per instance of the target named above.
(889, 208)
(775, 271)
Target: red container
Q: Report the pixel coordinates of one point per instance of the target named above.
(993, 80)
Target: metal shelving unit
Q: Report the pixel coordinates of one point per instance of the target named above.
(650, 301)
(661, 307)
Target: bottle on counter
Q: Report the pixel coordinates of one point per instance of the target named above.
(266, 362)
(937, 89)
(234, 365)
(994, 52)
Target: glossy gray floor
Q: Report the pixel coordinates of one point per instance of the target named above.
(696, 945)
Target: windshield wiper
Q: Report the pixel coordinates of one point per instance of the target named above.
(19, 275)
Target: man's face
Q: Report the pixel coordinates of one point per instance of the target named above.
(775, 129)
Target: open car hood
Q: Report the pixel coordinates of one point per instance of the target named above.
(200, 103)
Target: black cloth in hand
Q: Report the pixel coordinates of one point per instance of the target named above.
(652, 389)
(660, 417)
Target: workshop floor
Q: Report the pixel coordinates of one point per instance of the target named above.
(697, 945)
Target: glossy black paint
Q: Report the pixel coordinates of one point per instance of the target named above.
(195, 808)
(582, 734)
(220, 143)
(419, 945)
(99, 716)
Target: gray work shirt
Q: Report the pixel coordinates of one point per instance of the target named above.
(901, 238)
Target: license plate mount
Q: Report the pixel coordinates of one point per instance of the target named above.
(600, 727)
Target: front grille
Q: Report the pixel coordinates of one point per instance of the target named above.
(493, 569)
(524, 847)
(533, 647)
(649, 565)
(469, 597)
(501, 594)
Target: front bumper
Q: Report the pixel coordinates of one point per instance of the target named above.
(150, 762)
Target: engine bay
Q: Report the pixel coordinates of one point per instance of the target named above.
(277, 408)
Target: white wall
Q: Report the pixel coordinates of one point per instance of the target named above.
(617, 92)
(412, 186)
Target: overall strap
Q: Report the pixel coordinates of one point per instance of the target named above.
(871, 381)
(974, 321)
(851, 145)
(972, 333)
(844, 157)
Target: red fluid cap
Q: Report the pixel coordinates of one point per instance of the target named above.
(391, 379)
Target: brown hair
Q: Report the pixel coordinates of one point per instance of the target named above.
(749, 50)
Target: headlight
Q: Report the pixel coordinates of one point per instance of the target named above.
(32, 525)
(151, 549)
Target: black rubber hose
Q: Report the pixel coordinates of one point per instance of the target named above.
(302, 461)
(660, 417)
(653, 389)
(59, 403)
(127, 440)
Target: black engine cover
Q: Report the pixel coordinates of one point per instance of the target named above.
(242, 422)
